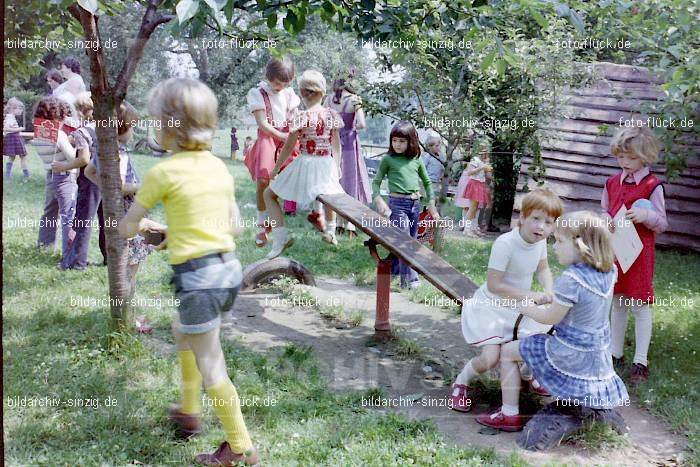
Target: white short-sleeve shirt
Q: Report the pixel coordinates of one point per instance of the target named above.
(517, 258)
(283, 103)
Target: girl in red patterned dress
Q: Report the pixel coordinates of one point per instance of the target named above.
(643, 196)
(317, 169)
(272, 102)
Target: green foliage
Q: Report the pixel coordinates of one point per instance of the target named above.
(662, 36)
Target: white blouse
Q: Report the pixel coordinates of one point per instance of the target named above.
(283, 103)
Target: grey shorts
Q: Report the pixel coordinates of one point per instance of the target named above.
(205, 288)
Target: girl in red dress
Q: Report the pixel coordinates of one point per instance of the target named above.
(643, 196)
(272, 103)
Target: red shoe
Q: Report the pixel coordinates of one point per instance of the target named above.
(501, 422)
(462, 398)
(639, 373)
(539, 390)
(224, 456)
(187, 425)
(317, 221)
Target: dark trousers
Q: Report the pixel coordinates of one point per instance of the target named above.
(101, 240)
(85, 210)
(404, 216)
(59, 203)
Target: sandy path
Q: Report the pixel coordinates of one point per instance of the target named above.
(263, 321)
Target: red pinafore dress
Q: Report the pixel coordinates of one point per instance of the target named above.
(638, 281)
(262, 157)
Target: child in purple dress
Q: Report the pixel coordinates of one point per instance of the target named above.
(353, 178)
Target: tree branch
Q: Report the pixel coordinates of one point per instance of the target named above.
(100, 83)
(151, 20)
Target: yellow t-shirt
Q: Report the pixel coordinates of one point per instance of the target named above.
(196, 190)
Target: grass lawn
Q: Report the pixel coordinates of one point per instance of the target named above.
(55, 347)
(71, 399)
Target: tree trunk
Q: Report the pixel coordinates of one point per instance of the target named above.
(505, 179)
(444, 186)
(113, 208)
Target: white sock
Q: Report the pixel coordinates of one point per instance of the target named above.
(330, 227)
(467, 225)
(618, 326)
(642, 333)
(467, 374)
(475, 221)
(280, 234)
(510, 410)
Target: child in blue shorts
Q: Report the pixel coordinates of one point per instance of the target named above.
(197, 194)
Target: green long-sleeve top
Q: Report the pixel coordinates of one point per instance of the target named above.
(405, 175)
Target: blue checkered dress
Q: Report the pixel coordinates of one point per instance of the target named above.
(13, 145)
(574, 364)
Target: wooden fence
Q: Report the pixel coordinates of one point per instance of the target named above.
(576, 151)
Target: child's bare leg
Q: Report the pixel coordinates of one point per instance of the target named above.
(476, 366)
(510, 375)
(473, 204)
(260, 198)
(23, 163)
(330, 220)
(273, 209)
(131, 271)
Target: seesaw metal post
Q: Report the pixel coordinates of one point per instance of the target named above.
(382, 328)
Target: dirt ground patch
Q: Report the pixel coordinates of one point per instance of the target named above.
(420, 385)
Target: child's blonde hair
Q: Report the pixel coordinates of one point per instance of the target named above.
(12, 102)
(312, 80)
(591, 237)
(127, 117)
(83, 104)
(639, 141)
(544, 199)
(280, 70)
(189, 108)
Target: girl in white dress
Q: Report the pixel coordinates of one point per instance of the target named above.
(316, 171)
(491, 317)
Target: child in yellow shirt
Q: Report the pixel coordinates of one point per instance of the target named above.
(197, 194)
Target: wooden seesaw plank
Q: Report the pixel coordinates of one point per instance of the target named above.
(436, 270)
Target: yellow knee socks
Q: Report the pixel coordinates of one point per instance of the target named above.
(228, 409)
(191, 383)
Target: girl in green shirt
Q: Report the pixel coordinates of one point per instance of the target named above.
(406, 172)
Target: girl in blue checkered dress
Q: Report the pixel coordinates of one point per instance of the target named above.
(574, 363)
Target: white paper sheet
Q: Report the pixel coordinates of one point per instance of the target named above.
(625, 241)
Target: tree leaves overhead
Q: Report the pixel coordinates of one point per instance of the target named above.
(186, 9)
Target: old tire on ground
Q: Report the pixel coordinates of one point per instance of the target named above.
(265, 271)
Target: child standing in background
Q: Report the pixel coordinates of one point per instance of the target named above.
(12, 142)
(88, 197)
(316, 171)
(635, 149)
(272, 103)
(137, 247)
(234, 144)
(197, 193)
(472, 191)
(247, 144)
(406, 172)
